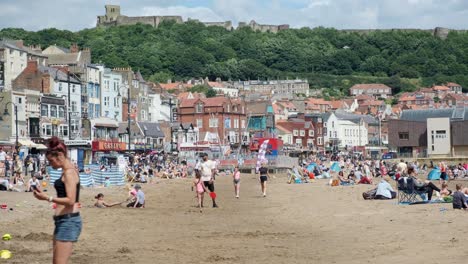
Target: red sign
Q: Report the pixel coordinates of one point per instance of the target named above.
(108, 146)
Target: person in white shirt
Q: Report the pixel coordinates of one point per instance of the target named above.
(207, 171)
(2, 155)
(33, 183)
(385, 190)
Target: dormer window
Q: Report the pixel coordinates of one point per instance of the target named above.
(199, 108)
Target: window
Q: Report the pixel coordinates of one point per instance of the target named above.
(143, 114)
(325, 124)
(96, 93)
(199, 108)
(73, 88)
(97, 110)
(47, 130)
(115, 102)
(298, 141)
(302, 132)
(213, 122)
(60, 87)
(295, 133)
(61, 113)
(74, 107)
(18, 100)
(242, 123)
(106, 101)
(106, 113)
(200, 123)
(403, 135)
(335, 134)
(228, 108)
(311, 133)
(333, 124)
(236, 123)
(319, 141)
(63, 130)
(53, 111)
(44, 110)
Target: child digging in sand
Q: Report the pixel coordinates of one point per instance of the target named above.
(200, 189)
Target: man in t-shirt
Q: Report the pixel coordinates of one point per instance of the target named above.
(402, 167)
(207, 170)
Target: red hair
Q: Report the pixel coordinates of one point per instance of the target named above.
(56, 146)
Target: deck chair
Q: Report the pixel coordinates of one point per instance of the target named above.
(293, 177)
(407, 192)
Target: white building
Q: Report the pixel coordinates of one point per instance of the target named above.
(64, 85)
(111, 102)
(13, 60)
(438, 136)
(158, 111)
(93, 89)
(341, 133)
(231, 92)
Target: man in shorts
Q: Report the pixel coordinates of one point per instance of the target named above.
(207, 170)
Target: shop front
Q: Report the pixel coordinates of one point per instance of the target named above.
(79, 151)
(103, 147)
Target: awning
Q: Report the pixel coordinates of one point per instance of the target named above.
(106, 125)
(41, 146)
(26, 143)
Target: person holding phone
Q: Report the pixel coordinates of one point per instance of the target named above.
(33, 184)
(67, 217)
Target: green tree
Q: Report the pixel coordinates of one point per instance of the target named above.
(210, 93)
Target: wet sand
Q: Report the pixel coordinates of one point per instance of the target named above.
(295, 223)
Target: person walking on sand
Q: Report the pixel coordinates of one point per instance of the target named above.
(236, 179)
(207, 171)
(67, 217)
(200, 188)
(263, 170)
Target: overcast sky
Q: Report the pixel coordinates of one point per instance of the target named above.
(343, 14)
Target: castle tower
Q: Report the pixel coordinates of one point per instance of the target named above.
(112, 12)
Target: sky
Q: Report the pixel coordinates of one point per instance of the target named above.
(342, 14)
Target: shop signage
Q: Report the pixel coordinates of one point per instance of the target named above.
(76, 142)
(108, 146)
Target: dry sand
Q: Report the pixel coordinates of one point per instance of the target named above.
(297, 223)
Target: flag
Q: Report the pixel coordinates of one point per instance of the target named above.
(262, 154)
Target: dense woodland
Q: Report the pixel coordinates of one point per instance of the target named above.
(328, 58)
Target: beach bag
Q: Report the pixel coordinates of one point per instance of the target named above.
(369, 195)
(335, 182)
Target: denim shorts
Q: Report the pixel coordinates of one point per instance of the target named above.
(68, 229)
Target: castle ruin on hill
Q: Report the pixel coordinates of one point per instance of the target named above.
(113, 17)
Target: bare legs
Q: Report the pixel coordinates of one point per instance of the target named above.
(200, 200)
(62, 252)
(236, 189)
(263, 184)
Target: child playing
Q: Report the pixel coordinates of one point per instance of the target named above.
(200, 189)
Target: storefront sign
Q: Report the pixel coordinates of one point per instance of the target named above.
(108, 146)
(76, 142)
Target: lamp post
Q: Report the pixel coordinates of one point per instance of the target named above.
(128, 117)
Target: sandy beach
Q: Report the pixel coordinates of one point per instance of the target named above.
(295, 223)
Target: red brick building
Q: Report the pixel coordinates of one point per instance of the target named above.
(298, 132)
(217, 118)
(33, 78)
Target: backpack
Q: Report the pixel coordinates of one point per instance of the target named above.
(369, 195)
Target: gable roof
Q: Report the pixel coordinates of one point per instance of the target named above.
(213, 101)
(452, 84)
(151, 129)
(64, 59)
(440, 88)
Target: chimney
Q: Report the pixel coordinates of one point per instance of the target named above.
(74, 48)
(32, 65)
(19, 43)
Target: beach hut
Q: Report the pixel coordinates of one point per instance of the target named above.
(434, 174)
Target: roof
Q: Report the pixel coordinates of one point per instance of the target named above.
(338, 104)
(136, 132)
(354, 117)
(175, 85)
(213, 101)
(151, 129)
(423, 115)
(440, 88)
(318, 101)
(450, 84)
(257, 107)
(216, 84)
(139, 77)
(64, 59)
(364, 97)
(366, 86)
(57, 74)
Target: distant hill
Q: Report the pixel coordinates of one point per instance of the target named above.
(326, 57)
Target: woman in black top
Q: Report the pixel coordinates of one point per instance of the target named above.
(67, 217)
(263, 177)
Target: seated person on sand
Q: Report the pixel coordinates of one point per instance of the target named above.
(100, 203)
(343, 180)
(384, 190)
(139, 199)
(33, 183)
(459, 198)
(444, 191)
